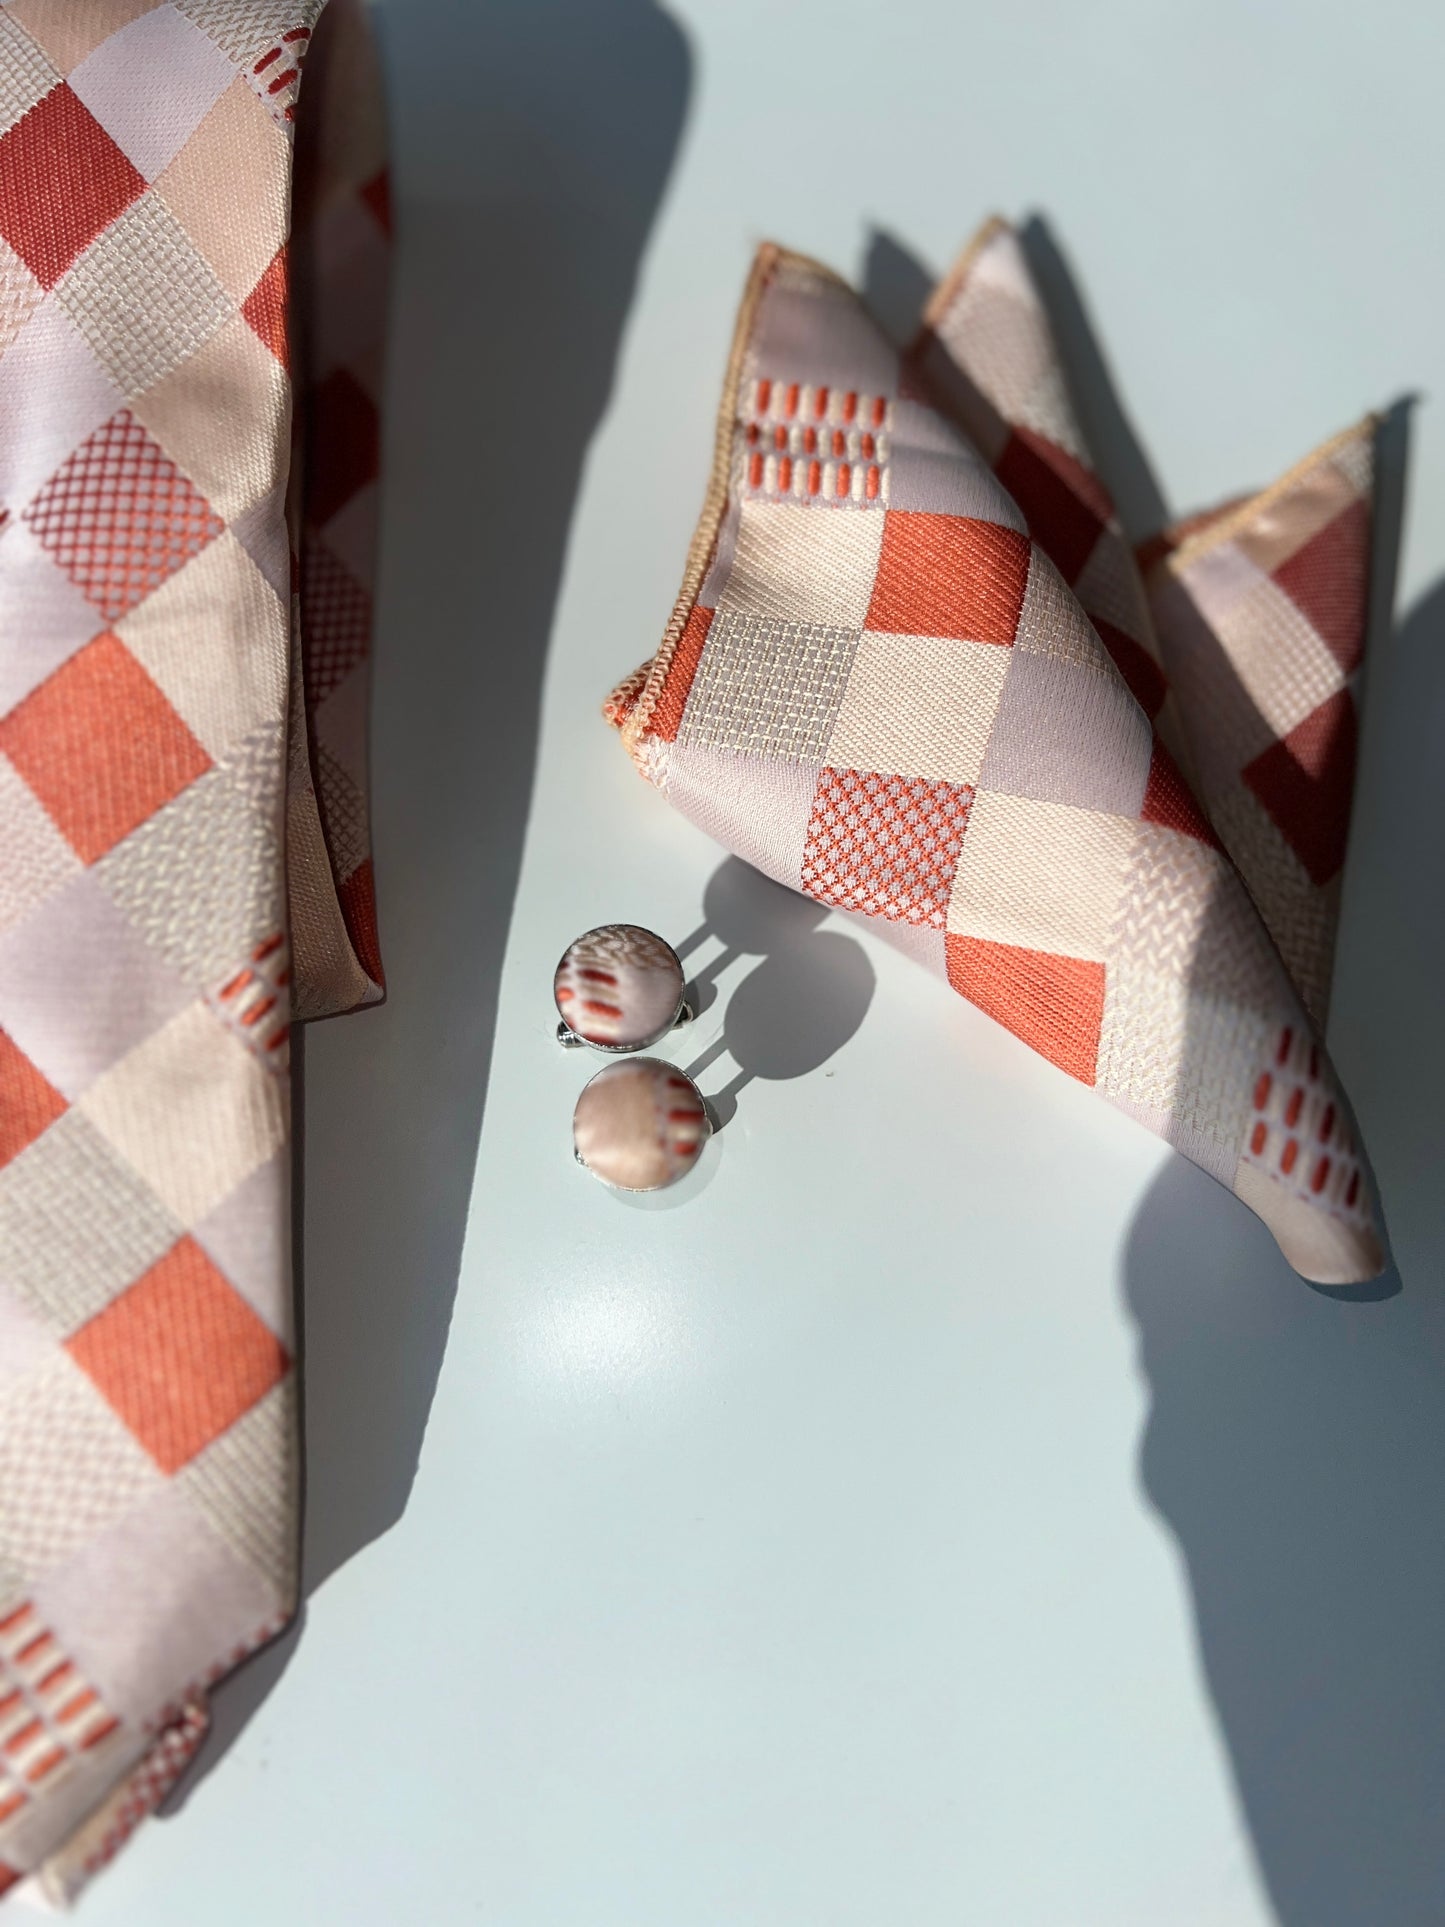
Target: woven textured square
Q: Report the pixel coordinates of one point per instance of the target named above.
(137, 1349)
(120, 517)
(884, 722)
(803, 564)
(886, 845)
(64, 1264)
(944, 575)
(60, 136)
(101, 747)
(146, 248)
(769, 688)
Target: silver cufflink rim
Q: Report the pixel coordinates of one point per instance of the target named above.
(681, 1011)
(702, 1121)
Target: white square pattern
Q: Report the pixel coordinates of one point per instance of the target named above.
(151, 85)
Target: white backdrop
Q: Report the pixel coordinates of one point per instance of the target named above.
(950, 1510)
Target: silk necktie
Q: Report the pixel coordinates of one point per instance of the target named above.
(915, 672)
(184, 851)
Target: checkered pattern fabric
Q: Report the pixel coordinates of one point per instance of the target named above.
(1241, 632)
(184, 634)
(935, 696)
(1261, 615)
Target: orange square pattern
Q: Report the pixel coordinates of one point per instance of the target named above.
(180, 1355)
(885, 845)
(357, 894)
(100, 746)
(672, 700)
(944, 575)
(29, 1103)
(1055, 1004)
(265, 308)
(62, 179)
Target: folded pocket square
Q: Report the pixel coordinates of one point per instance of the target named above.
(917, 672)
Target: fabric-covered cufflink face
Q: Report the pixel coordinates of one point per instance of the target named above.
(640, 1125)
(618, 987)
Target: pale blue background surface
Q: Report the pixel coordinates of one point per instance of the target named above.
(952, 1510)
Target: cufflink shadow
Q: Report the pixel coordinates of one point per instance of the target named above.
(531, 148)
(798, 1005)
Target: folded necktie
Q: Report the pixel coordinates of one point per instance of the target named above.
(184, 852)
(915, 671)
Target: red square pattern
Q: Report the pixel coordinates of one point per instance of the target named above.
(1168, 800)
(1055, 1004)
(100, 746)
(62, 180)
(376, 193)
(343, 444)
(28, 1102)
(946, 575)
(1064, 505)
(179, 1356)
(885, 845)
(1326, 579)
(1144, 677)
(1306, 782)
(358, 909)
(120, 518)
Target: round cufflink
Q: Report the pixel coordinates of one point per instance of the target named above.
(618, 988)
(640, 1125)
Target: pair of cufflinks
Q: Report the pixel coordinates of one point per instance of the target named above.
(640, 1124)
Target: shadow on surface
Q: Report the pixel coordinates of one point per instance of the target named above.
(1138, 498)
(1296, 1448)
(531, 146)
(795, 1008)
(895, 286)
(1296, 1438)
